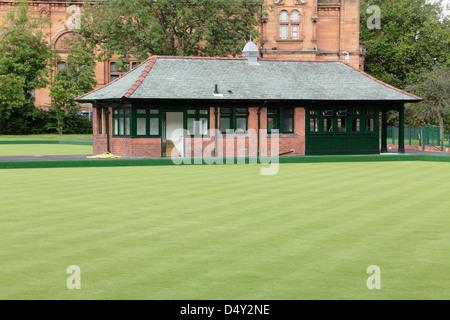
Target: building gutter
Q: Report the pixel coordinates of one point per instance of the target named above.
(216, 131)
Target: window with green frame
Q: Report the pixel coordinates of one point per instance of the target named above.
(100, 120)
(369, 121)
(281, 119)
(197, 121)
(341, 120)
(233, 118)
(314, 117)
(147, 122)
(356, 120)
(122, 122)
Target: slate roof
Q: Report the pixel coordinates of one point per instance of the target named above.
(175, 78)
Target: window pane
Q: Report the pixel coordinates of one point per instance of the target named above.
(314, 125)
(154, 111)
(141, 111)
(272, 113)
(203, 128)
(203, 111)
(295, 17)
(121, 126)
(341, 125)
(356, 125)
(226, 110)
(141, 127)
(328, 125)
(284, 31)
(100, 121)
(61, 65)
(242, 111)
(369, 124)
(113, 67)
(225, 123)
(154, 126)
(284, 16)
(271, 124)
(116, 126)
(127, 126)
(328, 113)
(295, 31)
(190, 126)
(241, 124)
(288, 111)
(191, 111)
(288, 124)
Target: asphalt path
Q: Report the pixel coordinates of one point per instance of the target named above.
(391, 152)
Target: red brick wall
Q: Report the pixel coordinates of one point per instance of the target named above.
(228, 145)
(136, 147)
(287, 142)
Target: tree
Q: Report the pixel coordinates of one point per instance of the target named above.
(434, 88)
(12, 95)
(25, 55)
(413, 34)
(74, 79)
(170, 27)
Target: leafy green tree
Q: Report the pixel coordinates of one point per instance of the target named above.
(11, 95)
(434, 88)
(75, 78)
(170, 27)
(411, 37)
(25, 55)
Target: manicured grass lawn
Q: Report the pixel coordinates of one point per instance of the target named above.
(226, 232)
(45, 137)
(43, 149)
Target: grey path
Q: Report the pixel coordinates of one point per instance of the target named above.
(391, 152)
(43, 158)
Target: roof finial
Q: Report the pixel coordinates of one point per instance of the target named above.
(251, 52)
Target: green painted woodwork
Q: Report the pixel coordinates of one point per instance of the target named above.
(341, 131)
(97, 163)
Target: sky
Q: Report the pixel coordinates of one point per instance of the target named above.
(447, 2)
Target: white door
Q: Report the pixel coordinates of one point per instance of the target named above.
(174, 131)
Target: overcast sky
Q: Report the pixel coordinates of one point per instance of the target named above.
(447, 3)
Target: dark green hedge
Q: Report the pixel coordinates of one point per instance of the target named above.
(30, 120)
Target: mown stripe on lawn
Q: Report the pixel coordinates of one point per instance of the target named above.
(226, 232)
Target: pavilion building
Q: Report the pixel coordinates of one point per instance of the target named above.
(236, 106)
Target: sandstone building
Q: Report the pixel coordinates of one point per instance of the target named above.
(294, 29)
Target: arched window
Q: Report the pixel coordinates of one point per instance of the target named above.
(295, 16)
(289, 25)
(284, 16)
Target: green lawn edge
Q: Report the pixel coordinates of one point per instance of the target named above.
(213, 161)
(71, 142)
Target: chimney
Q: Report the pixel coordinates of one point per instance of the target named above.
(251, 52)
